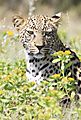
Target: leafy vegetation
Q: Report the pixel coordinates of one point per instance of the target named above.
(24, 100)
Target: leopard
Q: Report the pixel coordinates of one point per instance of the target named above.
(39, 37)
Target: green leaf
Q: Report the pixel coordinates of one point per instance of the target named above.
(56, 60)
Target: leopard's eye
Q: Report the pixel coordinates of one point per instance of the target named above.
(30, 32)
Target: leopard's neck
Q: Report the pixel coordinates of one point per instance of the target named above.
(39, 69)
(58, 44)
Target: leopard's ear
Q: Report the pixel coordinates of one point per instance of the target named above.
(57, 17)
(18, 22)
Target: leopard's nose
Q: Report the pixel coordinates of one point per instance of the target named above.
(39, 47)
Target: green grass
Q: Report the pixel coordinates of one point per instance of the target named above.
(24, 100)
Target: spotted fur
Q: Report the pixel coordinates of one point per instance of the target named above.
(39, 37)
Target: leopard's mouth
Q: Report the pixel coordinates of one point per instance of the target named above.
(39, 55)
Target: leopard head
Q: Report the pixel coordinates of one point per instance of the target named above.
(38, 33)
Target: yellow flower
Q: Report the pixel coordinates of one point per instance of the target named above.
(17, 71)
(24, 88)
(10, 33)
(59, 53)
(67, 52)
(67, 79)
(1, 92)
(32, 83)
(80, 58)
(47, 98)
(55, 76)
(24, 77)
(8, 77)
(70, 79)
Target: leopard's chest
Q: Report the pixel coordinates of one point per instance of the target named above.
(39, 69)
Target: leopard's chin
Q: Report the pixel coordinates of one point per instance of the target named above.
(39, 55)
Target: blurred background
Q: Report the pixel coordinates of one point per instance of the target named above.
(69, 31)
(8, 7)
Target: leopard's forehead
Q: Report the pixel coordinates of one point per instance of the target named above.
(39, 22)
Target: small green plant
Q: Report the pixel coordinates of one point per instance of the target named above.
(62, 81)
(19, 97)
